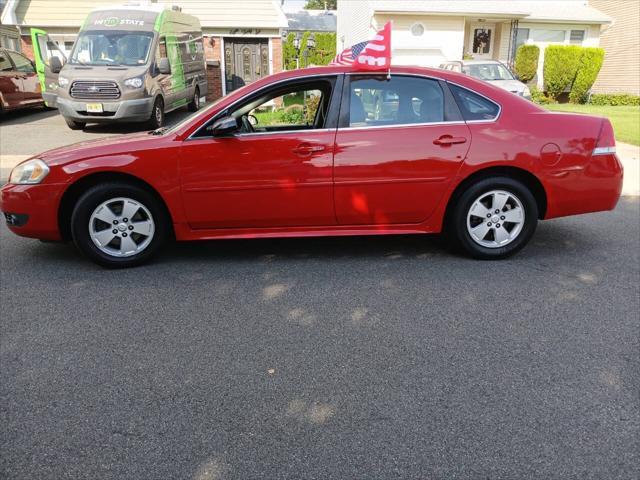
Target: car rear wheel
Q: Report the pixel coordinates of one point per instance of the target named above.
(118, 225)
(194, 105)
(73, 125)
(494, 218)
(157, 115)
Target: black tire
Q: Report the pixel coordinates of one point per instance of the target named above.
(98, 194)
(73, 125)
(194, 105)
(459, 234)
(157, 115)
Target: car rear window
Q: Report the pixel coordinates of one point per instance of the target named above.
(5, 64)
(474, 106)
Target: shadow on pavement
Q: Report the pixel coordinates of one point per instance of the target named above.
(27, 115)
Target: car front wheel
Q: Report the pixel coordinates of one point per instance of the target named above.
(118, 225)
(494, 218)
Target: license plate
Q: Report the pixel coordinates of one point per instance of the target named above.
(94, 108)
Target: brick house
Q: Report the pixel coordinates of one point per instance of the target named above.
(242, 38)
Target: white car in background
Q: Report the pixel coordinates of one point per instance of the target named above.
(491, 71)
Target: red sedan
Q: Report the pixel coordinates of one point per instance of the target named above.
(325, 151)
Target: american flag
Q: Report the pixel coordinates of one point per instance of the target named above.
(372, 55)
(348, 54)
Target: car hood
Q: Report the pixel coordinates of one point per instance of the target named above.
(509, 85)
(102, 72)
(99, 147)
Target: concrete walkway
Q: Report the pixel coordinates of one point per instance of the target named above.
(628, 154)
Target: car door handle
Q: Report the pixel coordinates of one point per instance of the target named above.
(448, 140)
(307, 149)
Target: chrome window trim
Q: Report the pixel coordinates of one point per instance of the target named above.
(403, 125)
(228, 107)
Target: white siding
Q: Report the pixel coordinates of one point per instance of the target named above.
(443, 39)
(212, 13)
(354, 22)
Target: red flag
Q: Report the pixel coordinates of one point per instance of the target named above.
(377, 54)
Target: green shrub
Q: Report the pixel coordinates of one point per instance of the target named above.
(615, 100)
(539, 97)
(590, 64)
(322, 54)
(526, 64)
(560, 67)
(293, 115)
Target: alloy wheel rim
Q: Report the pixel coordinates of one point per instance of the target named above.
(158, 114)
(495, 219)
(121, 227)
(196, 100)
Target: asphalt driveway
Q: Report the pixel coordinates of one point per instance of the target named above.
(326, 358)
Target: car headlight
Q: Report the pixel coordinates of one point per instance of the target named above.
(63, 81)
(526, 93)
(29, 172)
(135, 82)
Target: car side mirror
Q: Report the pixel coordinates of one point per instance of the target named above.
(224, 126)
(164, 66)
(55, 64)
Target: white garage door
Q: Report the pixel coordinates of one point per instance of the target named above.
(421, 57)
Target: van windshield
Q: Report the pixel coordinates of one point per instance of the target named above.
(112, 47)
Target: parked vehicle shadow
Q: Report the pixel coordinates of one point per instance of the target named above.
(101, 129)
(27, 115)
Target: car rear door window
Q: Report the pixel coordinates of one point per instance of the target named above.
(473, 106)
(5, 63)
(403, 100)
(23, 64)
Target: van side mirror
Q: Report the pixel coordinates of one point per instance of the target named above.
(164, 67)
(55, 64)
(224, 126)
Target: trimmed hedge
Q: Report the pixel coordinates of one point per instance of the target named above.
(526, 63)
(590, 64)
(614, 99)
(561, 64)
(322, 54)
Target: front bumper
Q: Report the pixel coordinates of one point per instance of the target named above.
(50, 99)
(35, 207)
(138, 110)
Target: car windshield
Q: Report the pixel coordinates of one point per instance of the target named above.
(488, 71)
(112, 48)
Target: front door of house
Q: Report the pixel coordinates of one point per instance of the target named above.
(481, 40)
(245, 61)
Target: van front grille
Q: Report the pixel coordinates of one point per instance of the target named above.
(98, 90)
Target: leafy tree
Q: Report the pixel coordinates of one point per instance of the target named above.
(319, 4)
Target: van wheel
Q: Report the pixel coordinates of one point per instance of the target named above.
(119, 225)
(494, 218)
(195, 102)
(157, 115)
(73, 125)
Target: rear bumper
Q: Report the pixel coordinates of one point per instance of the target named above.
(138, 110)
(31, 210)
(593, 188)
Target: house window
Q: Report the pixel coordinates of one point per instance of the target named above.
(522, 35)
(417, 29)
(576, 37)
(548, 36)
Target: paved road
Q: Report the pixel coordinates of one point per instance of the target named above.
(326, 358)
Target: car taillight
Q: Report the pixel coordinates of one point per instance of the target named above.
(606, 141)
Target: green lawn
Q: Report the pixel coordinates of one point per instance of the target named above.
(625, 120)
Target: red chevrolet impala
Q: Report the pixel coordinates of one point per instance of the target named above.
(325, 151)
